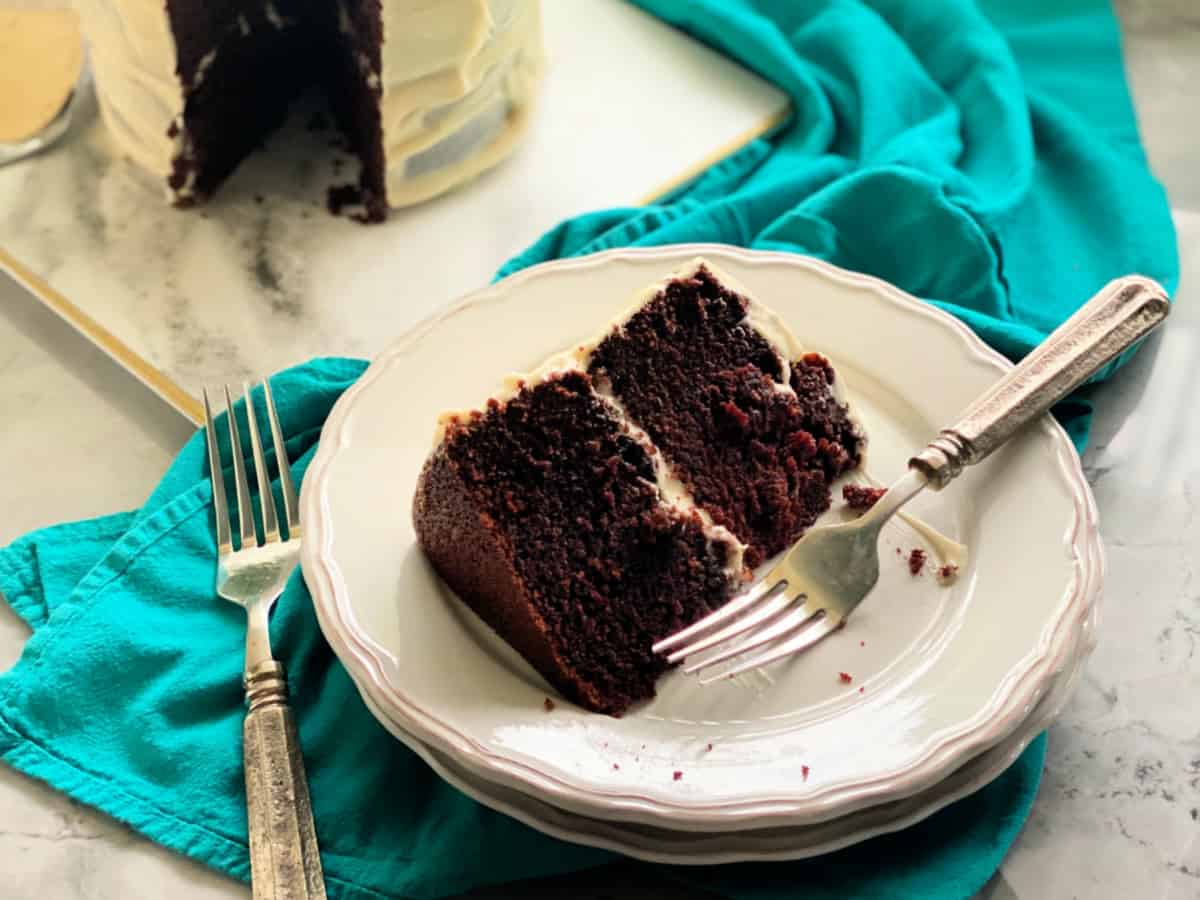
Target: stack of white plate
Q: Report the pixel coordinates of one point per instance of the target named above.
(947, 684)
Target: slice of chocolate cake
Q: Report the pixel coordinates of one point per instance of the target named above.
(543, 514)
(623, 489)
(755, 436)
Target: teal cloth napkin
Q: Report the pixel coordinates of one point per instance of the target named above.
(983, 156)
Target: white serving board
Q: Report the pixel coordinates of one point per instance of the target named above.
(263, 277)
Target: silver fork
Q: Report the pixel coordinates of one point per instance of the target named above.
(284, 860)
(832, 568)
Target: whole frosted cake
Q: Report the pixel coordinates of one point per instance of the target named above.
(428, 94)
(626, 487)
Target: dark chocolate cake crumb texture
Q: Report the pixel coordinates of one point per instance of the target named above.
(242, 64)
(705, 387)
(860, 497)
(947, 573)
(552, 482)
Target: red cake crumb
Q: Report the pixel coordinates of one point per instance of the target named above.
(862, 643)
(916, 561)
(860, 690)
(845, 677)
(708, 748)
(548, 704)
(615, 767)
(804, 771)
(861, 498)
(947, 572)
(676, 775)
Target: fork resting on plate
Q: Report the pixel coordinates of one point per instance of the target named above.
(831, 569)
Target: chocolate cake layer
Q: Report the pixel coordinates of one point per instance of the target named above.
(618, 493)
(543, 515)
(352, 83)
(239, 70)
(242, 64)
(690, 368)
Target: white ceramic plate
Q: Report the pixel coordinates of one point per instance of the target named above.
(767, 844)
(945, 673)
(783, 843)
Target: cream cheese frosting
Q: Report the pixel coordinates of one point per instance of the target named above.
(457, 79)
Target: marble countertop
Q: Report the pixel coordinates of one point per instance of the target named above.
(262, 277)
(1118, 815)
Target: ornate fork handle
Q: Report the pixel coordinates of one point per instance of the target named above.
(283, 841)
(1124, 312)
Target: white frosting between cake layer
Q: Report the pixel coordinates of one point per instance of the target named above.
(672, 491)
(458, 77)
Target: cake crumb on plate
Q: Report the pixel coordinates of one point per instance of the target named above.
(860, 497)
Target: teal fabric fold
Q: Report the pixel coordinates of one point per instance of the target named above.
(128, 698)
(981, 155)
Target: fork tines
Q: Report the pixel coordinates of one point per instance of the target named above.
(771, 617)
(270, 525)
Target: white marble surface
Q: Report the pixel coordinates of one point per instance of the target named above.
(1118, 815)
(263, 277)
